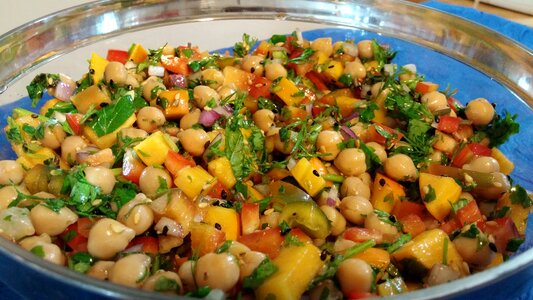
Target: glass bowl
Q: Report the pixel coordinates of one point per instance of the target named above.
(473, 59)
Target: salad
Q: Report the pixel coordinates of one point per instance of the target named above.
(285, 168)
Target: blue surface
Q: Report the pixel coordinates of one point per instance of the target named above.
(470, 83)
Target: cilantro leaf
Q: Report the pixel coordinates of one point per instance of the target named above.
(430, 194)
(39, 84)
(371, 159)
(501, 129)
(164, 284)
(38, 250)
(153, 58)
(111, 117)
(402, 240)
(13, 132)
(519, 196)
(240, 49)
(277, 38)
(303, 58)
(264, 270)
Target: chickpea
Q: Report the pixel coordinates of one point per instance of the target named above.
(149, 118)
(190, 119)
(186, 275)
(226, 92)
(323, 45)
(365, 49)
(150, 180)
(356, 69)
(351, 162)
(30, 242)
(355, 275)
(346, 48)
(100, 269)
(168, 50)
(194, 141)
(354, 186)
(152, 87)
(366, 178)
(264, 119)
(389, 231)
(101, 177)
(341, 245)
(400, 167)
(479, 111)
(249, 262)
(475, 253)
(7, 195)
(214, 77)
(203, 94)
(238, 249)
(108, 237)
(253, 64)
(444, 142)
(274, 71)
(337, 220)
(132, 81)
(15, 223)
(361, 130)
(483, 164)
(115, 72)
(171, 277)
(70, 147)
(355, 209)
(52, 253)
(271, 218)
(11, 172)
(436, 156)
(327, 142)
(133, 133)
(326, 287)
(53, 136)
(285, 146)
(435, 101)
(217, 271)
(131, 270)
(137, 215)
(379, 150)
(50, 222)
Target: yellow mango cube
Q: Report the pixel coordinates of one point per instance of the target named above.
(177, 103)
(506, 165)
(91, 96)
(221, 169)
(192, 181)
(287, 91)
(333, 70)
(98, 64)
(227, 218)
(236, 77)
(308, 177)
(137, 53)
(109, 139)
(153, 150)
(29, 160)
(180, 209)
(386, 193)
(439, 193)
(517, 213)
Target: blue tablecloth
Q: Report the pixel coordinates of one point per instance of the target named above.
(518, 32)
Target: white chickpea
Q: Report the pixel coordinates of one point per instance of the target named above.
(436, 156)
(194, 141)
(115, 72)
(483, 164)
(355, 275)
(47, 221)
(226, 92)
(132, 81)
(365, 49)
(285, 146)
(108, 237)
(366, 178)
(379, 150)
(249, 262)
(351, 162)
(190, 119)
(137, 215)
(70, 147)
(400, 167)
(152, 87)
(172, 282)
(270, 218)
(435, 101)
(131, 270)
(52, 253)
(326, 143)
(149, 118)
(264, 119)
(326, 287)
(214, 77)
(354, 186)
(355, 209)
(100, 269)
(479, 111)
(444, 142)
(186, 273)
(53, 136)
(237, 249)
(356, 69)
(151, 180)
(133, 133)
(323, 45)
(30, 242)
(11, 172)
(345, 48)
(168, 50)
(337, 220)
(217, 271)
(389, 231)
(274, 71)
(476, 254)
(101, 177)
(7, 195)
(15, 223)
(203, 94)
(253, 64)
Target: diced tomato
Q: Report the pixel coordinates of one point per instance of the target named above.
(375, 136)
(250, 221)
(448, 124)
(331, 98)
(85, 225)
(268, 241)
(175, 162)
(117, 55)
(317, 110)
(359, 235)
(413, 224)
(470, 213)
(453, 103)
(290, 44)
(468, 152)
(423, 87)
(174, 64)
(450, 226)
(480, 149)
(405, 208)
(302, 236)
(76, 241)
(262, 49)
(502, 230)
(132, 166)
(260, 87)
(149, 244)
(73, 121)
(360, 295)
(317, 80)
(218, 191)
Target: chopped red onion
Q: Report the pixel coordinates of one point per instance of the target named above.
(333, 194)
(178, 80)
(64, 90)
(347, 133)
(331, 202)
(389, 68)
(158, 71)
(208, 118)
(225, 111)
(349, 117)
(134, 248)
(410, 67)
(291, 164)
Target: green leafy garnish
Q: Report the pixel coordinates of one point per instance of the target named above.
(154, 57)
(430, 194)
(264, 270)
(38, 250)
(39, 84)
(80, 262)
(111, 117)
(402, 240)
(459, 204)
(164, 284)
(225, 247)
(514, 244)
(240, 49)
(519, 196)
(13, 132)
(501, 129)
(303, 58)
(278, 38)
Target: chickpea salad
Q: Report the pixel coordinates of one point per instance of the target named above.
(283, 168)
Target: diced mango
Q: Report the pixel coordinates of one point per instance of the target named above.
(506, 165)
(236, 77)
(320, 57)
(180, 209)
(221, 169)
(308, 177)
(254, 195)
(192, 181)
(29, 160)
(109, 139)
(425, 250)
(496, 261)
(137, 53)
(333, 70)
(517, 212)
(287, 91)
(446, 192)
(47, 105)
(381, 112)
(227, 218)
(392, 287)
(346, 104)
(375, 257)
(296, 268)
(153, 150)
(386, 193)
(91, 96)
(177, 103)
(97, 64)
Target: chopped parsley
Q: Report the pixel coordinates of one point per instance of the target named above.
(111, 117)
(430, 194)
(264, 270)
(402, 240)
(302, 58)
(154, 57)
(240, 49)
(519, 196)
(38, 250)
(501, 129)
(39, 84)
(165, 284)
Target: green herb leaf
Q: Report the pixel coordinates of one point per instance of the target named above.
(519, 196)
(371, 159)
(346, 80)
(430, 195)
(472, 232)
(514, 244)
(501, 129)
(225, 247)
(164, 284)
(154, 57)
(13, 132)
(303, 58)
(459, 204)
(277, 38)
(163, 186)
(39, 84)
(111, 117)
(38, 250)
(291, 240)
(500, 213)
(264, 270)
(402, 240)
(240, 49)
